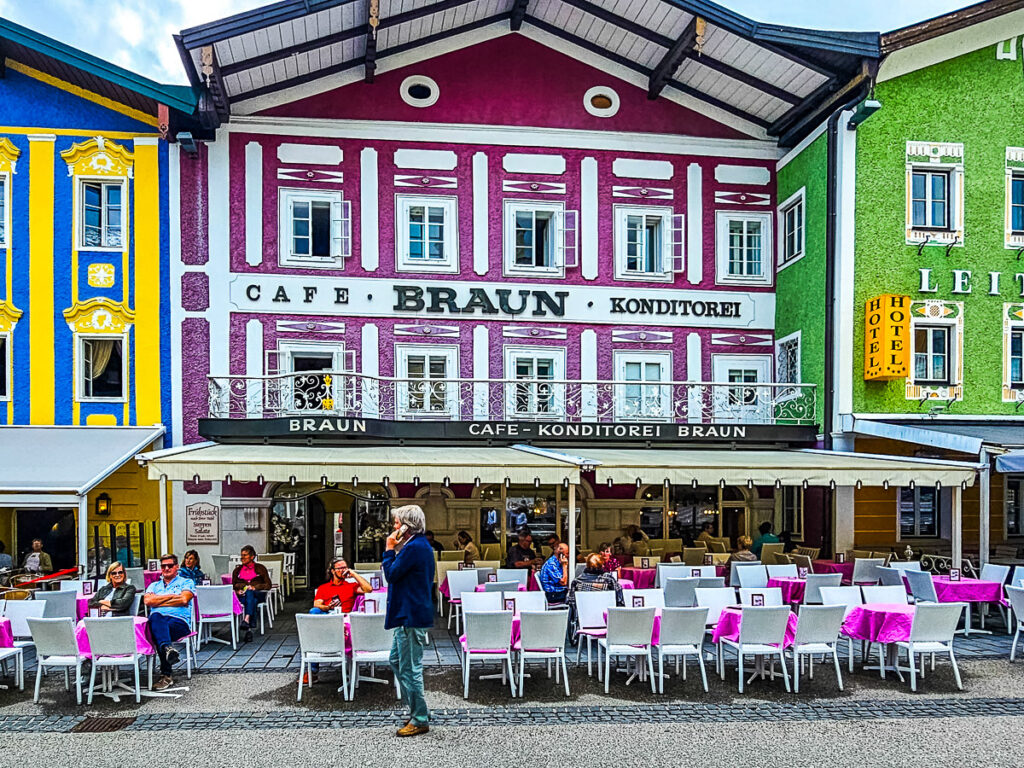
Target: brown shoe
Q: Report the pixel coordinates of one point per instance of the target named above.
(411, 729)
(165, 682)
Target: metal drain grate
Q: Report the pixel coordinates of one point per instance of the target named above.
(103, 724)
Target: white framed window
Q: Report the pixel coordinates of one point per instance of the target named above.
(534, 389)
(923, 511)
(737, 396)
(643, 390)
(933, 364)
(314, 228)
(5, 366)
(102, 368)
(1013, 505)
(935, 193)
(1015, 221)
(427, 389)
(787, 365)
(743, 248)
(427, 234)
(791, 511)
(539, 239)
(931, 195)
(310, 375)
(1016, 357)
(792, 216)
(648, 243)
(5, 209)
(103, 213)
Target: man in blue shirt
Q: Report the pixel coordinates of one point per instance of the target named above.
(554, 575)
(170, 615)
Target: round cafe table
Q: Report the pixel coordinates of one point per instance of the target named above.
(729, 623)
(831, 566)
(883, 623)
(143, 638)
(792, 588)
(642, 578)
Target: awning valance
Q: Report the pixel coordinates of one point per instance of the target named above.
(370, 464)
(1010, 462)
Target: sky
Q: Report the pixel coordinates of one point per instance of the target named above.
(136, 34)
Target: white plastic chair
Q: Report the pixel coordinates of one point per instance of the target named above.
(932, 632)
(70, 585)
(762, 633)
(905, 565)
(371, 644)
(998, 574)
(815, 582)
(136, 577)
(734, 567)
(772, 595)
(715, 599)
(894, 595)
(752, 576)
(542, 636)
(1016, 598)
(19, 664)
(112, 645)
(518, 575)
(500, 586)
(849, 598)
(590, 610)
(629, 634)
(321, 641)
(216, 606)
(526, 601)
(459, 582)
(890, 577)
(19, 611)
(653, 598)
(922, 587)
(682, 635)
(672, 571)
(56, 647)
(864, 570)
(59, 605)
(221, 565)
(488, 637)
(782, 571)
(681, 593)
(481, 601)
(706, 572)
(817, 632)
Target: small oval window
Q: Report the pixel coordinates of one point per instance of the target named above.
(419, 91)
(601, 101)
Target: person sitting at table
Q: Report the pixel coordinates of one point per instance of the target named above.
(37, 561)
(706, 533)
(6, 562)
(633, 541)
(470, 553)
(339, 592)
(251, 581)
(594, 579)
(743, 554)
(170, 611)
(521, 555)
(611, 562)
(114, 598)
(437, 545)
(554, 575)
(190, 568)
(766, 537)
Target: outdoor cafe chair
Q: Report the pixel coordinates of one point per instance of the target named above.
(865, 570)
(892, 594)
(459, 582)
(905, 565)
(112, 643)
(682, 635)
(71, 585)
(932, 632)
(849, 598)
(782, 571)
(1016, 598)
(518, 575)
(136, 577)
(770, 549)
(712, 582)
(817, 632)
(653, 598)
(59, 604)
(670, 571)
(448, 555)
(735, 565)
(488, 637)
(694, 555)
(890, 577)
(680, 593)
(542, 636)
(221, 565)
(762, 633)
(500, 586)
(802, 561)
(370, 644)
(629, 634)
(19, 611)
(481, 601)
(998, 574)
(216, 606)
(321, 641)
(717, 546)
(752, 576)
(922, 587)
(590, 617)
(815, 583)
(771, 595)
(526, 601)
(56, 647)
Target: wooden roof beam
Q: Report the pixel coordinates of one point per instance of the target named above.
(519, 9)
(664, 69)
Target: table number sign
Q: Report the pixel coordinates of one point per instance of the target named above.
(645, 562)
(840, 557)
(801, 572)
(695, 573)
(369, 605)
(709, 559)
(492, 577)
(757, 600)
(510, 604)
(954, 574)
(638, 601)
(375, 583)
(204, 582)
(152, 565)
(86, 587)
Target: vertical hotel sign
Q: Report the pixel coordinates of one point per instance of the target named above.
(887, 337)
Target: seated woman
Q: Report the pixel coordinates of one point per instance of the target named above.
(251, 582)
(190, 567)
(594, 579)
(114, 598)
(465, 542)
(633, 541)
(743, 554)
(611, 562)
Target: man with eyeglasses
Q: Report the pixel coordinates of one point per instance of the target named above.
(339, 592)
(169, 601)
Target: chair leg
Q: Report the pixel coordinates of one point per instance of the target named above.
(302, 674)
(661, 671)
(78, 683)
(565, 674)
(511, 675)
(1013, 648)
(839, 673)
(703, 672)
(522, 673)
(796, 671)
(138, 687)
(607, 665)
(956, 670)
(881, 660)
(465, 674)
(92, 682)
(739, 667)
(39, 680)
(785, 669)
(849, 657)
(650, 668)
(913, 668)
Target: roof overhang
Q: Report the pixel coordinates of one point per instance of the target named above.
(962, 436)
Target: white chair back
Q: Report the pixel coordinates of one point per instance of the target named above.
(368, 633)
(215, 601)
(481, 601)
(653, 598)
(18, 611)
(715, 599)
(518, 575)
(864, 570)
(1017, 580)
(53, 637)
(679, 593)
(630, 626)
(683, 626)
(849, 597)
(221, 564)
(70, 585)
(543, 630)
(112, 636)
(894, 595)
(753, 576)
(136, 602)
(136, 577)
(461, 581)
(782, 571)
(273, 571)
(711, 582)
(1016, 598)
(321, 634)
(922, 587)
(590, 607)
(815, 581)
(526, 601)
(820, 623)
(375, 602)
(935, 622)
(905, 565)
(765, 625)
(500, 586)
(890, 577)
(693, 571)
(771, 595)
(488, 630)
(59, 604)
(735, 565)
(994, 572)
(671, 571)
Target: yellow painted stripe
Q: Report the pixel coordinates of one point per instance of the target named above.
(82, 93)
(147, 284)
(41, 281)
(85, 133)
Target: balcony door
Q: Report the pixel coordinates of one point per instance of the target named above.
(737, 396)
(311, 384)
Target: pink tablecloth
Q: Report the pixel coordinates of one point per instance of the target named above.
(791, 586)
(225, 578)
(967, 590)
(728, 627)
(82, 606)
(879, 622)
(830, 566)
(143, 639)
(643, 578)
(6, 634)
(148, 577)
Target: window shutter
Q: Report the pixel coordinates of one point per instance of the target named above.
(341, 229)
(677, 255)
(570, 238)
(272, 362)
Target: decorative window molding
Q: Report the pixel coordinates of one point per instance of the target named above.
(426, 390)
(601, 101)
(8, 167)
(1014, 217)
(539, 238)
(419, 91)
(792, 229)
(314, 228)
(537, 392)
(642, 391)
(934, 193)
(99, 316)
(1013, 353)
(99, 157)
(314, 387)
(743, 248)
(426, 234)
(648, 243)
(946, 315)
(101, 170)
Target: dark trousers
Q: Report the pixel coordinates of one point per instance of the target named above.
(250, 600)
(166, 629)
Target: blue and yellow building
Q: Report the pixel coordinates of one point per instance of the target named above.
(84, 314)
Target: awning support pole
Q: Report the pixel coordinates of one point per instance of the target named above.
(163, 516)
(83, 534)
(572, 532)
(843, 526)
(957, 535)
(984, 513)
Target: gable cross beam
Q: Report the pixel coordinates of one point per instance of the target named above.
(370, 58)
(519, 8)
(671, 60)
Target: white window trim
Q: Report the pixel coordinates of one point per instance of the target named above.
(80, 182)
(286, 351)
(1006, 488)
(449, 351)
(954, 390)
(722, 276)
(620, 358)
(7, 337)
(782, 396)
(5, 179)
(1012, 239)
(955, 344)
(797, 198)
(558, 355)
(1011, 394)
(955, 233)
(450, 264)
(744, 413)
(286, 196)
(666, 275)
(510, 269)
(80, 367)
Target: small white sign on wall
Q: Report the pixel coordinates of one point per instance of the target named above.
(202, 523)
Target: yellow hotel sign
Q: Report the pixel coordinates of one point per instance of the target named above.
(887, 337)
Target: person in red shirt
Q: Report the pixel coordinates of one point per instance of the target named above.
(339, 592)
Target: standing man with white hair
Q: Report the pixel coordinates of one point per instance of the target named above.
(408, 566)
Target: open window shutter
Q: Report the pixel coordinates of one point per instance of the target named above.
(677, 251)
(570, 238)
(341, 229)
(272, 362)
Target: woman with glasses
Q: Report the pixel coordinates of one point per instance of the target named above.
(114, 598)
(251, 582)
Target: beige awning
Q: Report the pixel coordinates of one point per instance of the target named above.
(370, 464)
(768, 467)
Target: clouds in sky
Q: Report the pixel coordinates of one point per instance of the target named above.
(137, 34)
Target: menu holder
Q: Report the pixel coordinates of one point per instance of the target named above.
(840, 557)
(801, 572)
(510, 604)
(695, 573)
(152, 565)
(638, 601)
(369, 605)
(86, 588)
(757, 600)
(94, 613)
(709, 559)
(954, 574)
(645, 562)
(204, 582)
(492, 577)
(375, 583)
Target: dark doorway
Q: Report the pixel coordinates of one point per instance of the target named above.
(56, 528)
(316, 531)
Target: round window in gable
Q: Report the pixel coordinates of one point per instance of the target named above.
(601, 101)
(420, 91)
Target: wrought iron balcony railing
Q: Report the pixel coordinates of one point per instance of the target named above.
(329, 393)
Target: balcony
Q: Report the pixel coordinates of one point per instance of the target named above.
(356, 396)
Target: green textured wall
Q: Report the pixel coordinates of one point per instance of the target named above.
(800, 287)
(977, 101)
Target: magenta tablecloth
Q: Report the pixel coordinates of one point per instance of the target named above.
(143, 639)
(225, 578)
(830, 566)
(967, 590)
(879, 622)
(728, 627)
(6, 633)
(643, 578)
(82, 606)
(148, 577)
(792, 588)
